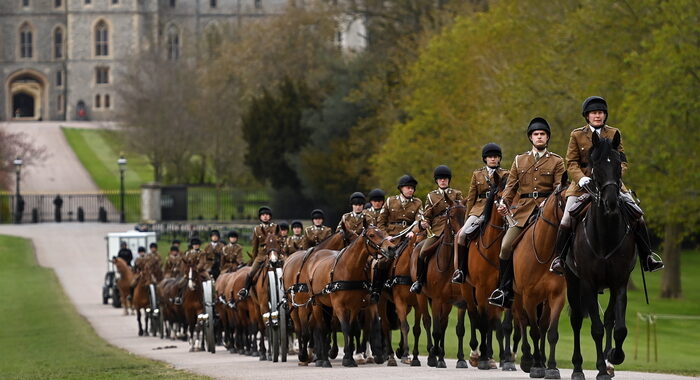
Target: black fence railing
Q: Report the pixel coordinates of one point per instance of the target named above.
(208, 203)
(185, 231)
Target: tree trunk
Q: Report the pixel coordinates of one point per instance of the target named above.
(671, 279)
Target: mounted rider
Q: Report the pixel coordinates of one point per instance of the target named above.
(212, 253)
(376, 201)
(317, 232)
(295, 242)
(232, 253)
(172, 263)
(139, 266)
(595, 111)
(481, 182)
(435, 213)
(533, 177)
(260, 232)
(125, 253)
(284, 235)
(153, 261)
(355, 219)
(192, 258)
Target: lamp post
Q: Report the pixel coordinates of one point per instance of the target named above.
(18, 199)
(122, 167)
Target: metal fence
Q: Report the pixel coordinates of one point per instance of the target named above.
(103, 206)
(208, 203)
(186, 231)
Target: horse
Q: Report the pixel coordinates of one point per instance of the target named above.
(126, 276)
(481, 279)
(438, 287)
(192, 304)
(602, 257)
(244, 314)
(541, 294)
(223, 310)
(140, 299)
(294, 279)
(173, 314)
(340, 284)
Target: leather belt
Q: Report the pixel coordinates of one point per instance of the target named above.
(536, 194)
(401, 223)
(484, 195)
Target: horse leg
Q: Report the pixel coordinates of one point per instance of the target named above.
(597, 332)
(437, 332)
(483, 346)
(333, 352)
(556, 302)
(461, 363)
(415, 362)
(344, 316)
(537, 370)
(443, 316)
(473, 340)
(402, 312)
(426, 319)
(617, 355)
(376, 336)
(609, 322)
(576, 318)
(495, 327)
(508, 361)
(386, 333)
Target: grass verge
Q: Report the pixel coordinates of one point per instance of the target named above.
(42, 335)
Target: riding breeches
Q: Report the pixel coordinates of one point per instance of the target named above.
(427, 243)
(572, 200)
(507, 243)
(462, 234)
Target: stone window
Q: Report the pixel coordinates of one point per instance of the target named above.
(172, 3)
(173, 44)
(25, 3)
(25, 41)
(258, 4)
(88, 2)
(58, 43)
(59, 78)
(102, 75)
(59, 103)
(107, 105)
(58, 3)
(212, 3)
(101, 39)
(98, 101)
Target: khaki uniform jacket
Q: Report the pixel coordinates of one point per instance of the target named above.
(353, 222)
(212, 254)
(577, 154)
(314, 235)
(527, 176)
(294, 243)
(140, 263)
(259, 234)
(476, 200)
(192, 258)
(372, 216)
(172, 265)
(231, 257)
(395, 216)
(435, 211)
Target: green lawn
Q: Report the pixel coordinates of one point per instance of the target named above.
(677, 338)
(42, 335)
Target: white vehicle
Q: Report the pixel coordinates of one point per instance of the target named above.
(133, 240)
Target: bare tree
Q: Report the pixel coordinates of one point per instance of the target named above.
(17, 145)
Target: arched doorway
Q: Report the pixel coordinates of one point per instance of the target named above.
(27, 100)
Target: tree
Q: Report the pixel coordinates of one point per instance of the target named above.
(17, 144)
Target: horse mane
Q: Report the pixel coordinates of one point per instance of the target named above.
(492, 195)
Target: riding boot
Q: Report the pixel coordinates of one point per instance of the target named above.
(649, 261)
(461, 270)
(561, 247)
(378, 280)
(503, 296)
(417, 286)
(243, 293)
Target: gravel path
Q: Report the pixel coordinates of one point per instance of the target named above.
(77, 253)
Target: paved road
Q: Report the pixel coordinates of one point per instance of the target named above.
(77, 254)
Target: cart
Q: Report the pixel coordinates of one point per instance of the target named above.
(134, 240)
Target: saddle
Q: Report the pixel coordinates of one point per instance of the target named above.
(472, 231)
(300, 287)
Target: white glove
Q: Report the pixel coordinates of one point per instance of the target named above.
(583, 181)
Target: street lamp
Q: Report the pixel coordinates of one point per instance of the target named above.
(122, 167)
(18, 200)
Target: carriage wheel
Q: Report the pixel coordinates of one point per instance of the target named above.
(161, 324)
(116, 299)
(154, 307)
(283, 338)
(275, 343)
(209, 310)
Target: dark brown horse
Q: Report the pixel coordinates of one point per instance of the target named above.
(438, 287)
(224, 309)
(602, 257)
(192, 304)
(140, 300)
(541, 293)
(126, 276)
(340, 285)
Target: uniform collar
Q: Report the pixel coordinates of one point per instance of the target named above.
(404, 199)
(599, 130)
(543, 154)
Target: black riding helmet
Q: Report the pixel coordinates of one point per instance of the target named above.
(442, 171)
(297, 223)
(594, 103)
(284, 226)
(538, 124)
(357, 198)
(215, 233)
(264, 210)
(232, 234)
(195, 241)
(318, 214)
(491, 149)
(407, 180)
(376, 195)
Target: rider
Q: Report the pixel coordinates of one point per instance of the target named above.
(533, 176)
(125, 253)
(355, 219)
(284, 236)
(172, 264)
(435, 214)
(191, 258)
(139, 265)
(317, 232)
(376, 201)
(295, 242)
(232, 253)
(259, 233)
(482, 178)
(212, 253)
(595, 112)
(153, 261)
(176, 243)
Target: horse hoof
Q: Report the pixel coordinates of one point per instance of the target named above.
(432, 361)
(391, 362)
(140, 332)
(333, 353)
(349, 362)
(552, 373)
(492, 364)
(578, 376)
(603, 377)
(536, 373)
(415, 363)
(319, 363)
(379, 359)
(405, 360)
(191, 349)
(441, 364)
(610, 369)
(326, 364)
(462, 364)
(508, 366)
(232, 350)
(263, 357)
(483, 364)
(616, 356)
(303, 364)
(526, 364)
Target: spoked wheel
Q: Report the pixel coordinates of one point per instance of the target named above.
(209, 311)
(284, 339)
(154, 315)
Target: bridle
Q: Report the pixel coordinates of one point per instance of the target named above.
(372, 246)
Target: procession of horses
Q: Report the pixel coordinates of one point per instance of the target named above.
(301, 301)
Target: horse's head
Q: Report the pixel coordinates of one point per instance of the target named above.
(273, 246)
(455, 214)
(606, 171)
(378, 242)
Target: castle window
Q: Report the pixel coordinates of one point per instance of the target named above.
(58, 43)
(57, 3)
(88, 2)
(173, 44)
(59, 103)
(25, 3)
(102, 75)
(106, 100)
(59, 78)
(172, 3)
(98, 103)
(258, 4)
(212, 3)
(25, 41)
(101, 39)
(115, 2)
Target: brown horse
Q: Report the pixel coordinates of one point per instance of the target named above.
(173, 314)
(223, 310)
(140, 300)
(340, 284)
(126, 276)
(244, 314)
(438, 287)
(193, 306)
(294, 280)
(542, 293)
(482, 278)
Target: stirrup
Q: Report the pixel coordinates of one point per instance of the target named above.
(458, 277)
(556, 267)
(177, 301)
(416, 287)
(498, 298)
(243, 293)
(653, 263)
